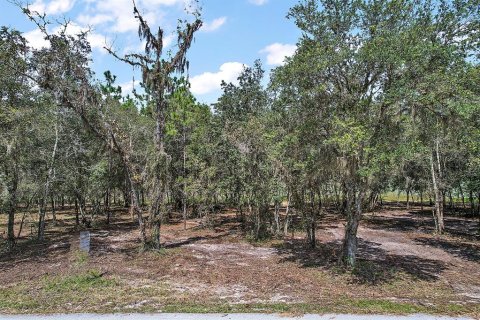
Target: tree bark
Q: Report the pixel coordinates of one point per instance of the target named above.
(478, 197)
(450, 200)
(421, 200)
(438, 198)
(354, 214)
(462, 195)
(77, 220)
(54, 213)
(11, 208)
(184, 173)
(287, 215)
(156, 211)
(408, 199)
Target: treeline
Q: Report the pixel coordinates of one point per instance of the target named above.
(379, 96)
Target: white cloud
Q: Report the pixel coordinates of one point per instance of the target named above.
(214, 25)
(59, 6)
(210, 81)
(122, 13)
(37, 6)
(127, 87)
(36, 38)
(98, 41)
(168, 40)
(119, 13)
(95, 19)
(258, 2)
(53, 7)
(277, 52)
(163, 2)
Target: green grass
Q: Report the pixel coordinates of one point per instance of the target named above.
(78, 283)
(16, 300)
(80, 258)
(385, 306)
(232, 308)
(360, 306)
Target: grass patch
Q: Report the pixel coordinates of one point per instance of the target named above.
(242, 308)
(82, 282)
(352, 306)
(385, 306)
(80, 258)
(16, 300)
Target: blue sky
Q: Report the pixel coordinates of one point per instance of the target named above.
(235, 32)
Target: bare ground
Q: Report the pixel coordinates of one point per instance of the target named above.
(400, 261)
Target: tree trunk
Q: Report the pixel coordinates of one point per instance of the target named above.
(276, 216)
(287, 215)
(107, 205)
(46, 191)
(77, 220)
(156, 211)
(421, 200)
(54, 213)
(12, 178)
(27, 208)
(462, 195)
(472, 202)
(184, 182)
(11, 207)
(438, 199)
(408, 199)
(450, 200)
(337, 197)
(311, 227)
(127, 194)
(21, 224)
(159, 190)
(312, 218)
(354, 214)
(41, 220)
(478, 197)
(257, 223)
(109, 186)
(82, 209)
(138, 212)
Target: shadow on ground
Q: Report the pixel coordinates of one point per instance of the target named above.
(375, 266)
(466, 251)
(422, 221)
